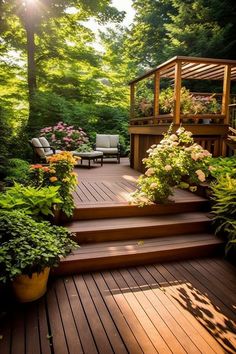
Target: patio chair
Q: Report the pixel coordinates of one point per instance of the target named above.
(109, 145)
(41, 148)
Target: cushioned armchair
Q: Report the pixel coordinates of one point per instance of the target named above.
(41, 148)
(108, 144)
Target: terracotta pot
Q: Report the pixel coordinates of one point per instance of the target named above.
(27, 289)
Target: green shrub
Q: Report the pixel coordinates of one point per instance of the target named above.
(17, 170)
(34, 201)
(223, 165)
(224, 208)
(28, 246)
(176, 162)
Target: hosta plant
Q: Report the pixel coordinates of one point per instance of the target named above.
(224, 208)
(38, 202)
(176, 162)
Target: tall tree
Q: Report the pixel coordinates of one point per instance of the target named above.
(34, 14)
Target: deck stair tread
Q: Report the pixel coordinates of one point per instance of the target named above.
(139, 246)
(107, 255)
(135, 222)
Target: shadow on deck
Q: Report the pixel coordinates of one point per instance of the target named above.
(180, 307)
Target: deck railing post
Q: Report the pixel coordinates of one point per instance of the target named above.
(177, 92)
(156, 96)
(226, 93)
(132, 101)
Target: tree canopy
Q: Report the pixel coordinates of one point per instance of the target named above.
(50, 69)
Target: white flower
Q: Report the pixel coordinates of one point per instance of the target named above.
(173, 137)
(168, 168)
(150, 172)
(201, 175)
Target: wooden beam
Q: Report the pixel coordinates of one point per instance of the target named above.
(132, 101)
(156, 94)
(226, 93)
(177, 92)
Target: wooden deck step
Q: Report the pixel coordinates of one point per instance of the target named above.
(106, 210)
(93, 257)
(112, 229)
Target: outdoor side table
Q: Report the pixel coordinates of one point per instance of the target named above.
(91, 155)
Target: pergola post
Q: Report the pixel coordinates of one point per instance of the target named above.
(226, 93)
(156, 96)
(132, 100)
(177, 92)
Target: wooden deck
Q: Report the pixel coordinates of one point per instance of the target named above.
(180, 307)
(110, 184)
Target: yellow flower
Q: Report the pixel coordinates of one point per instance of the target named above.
(53, 179)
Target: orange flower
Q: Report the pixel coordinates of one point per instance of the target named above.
(37, 166)
(46, 169)
(53, 179)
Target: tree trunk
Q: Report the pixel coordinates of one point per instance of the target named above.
(31, 61)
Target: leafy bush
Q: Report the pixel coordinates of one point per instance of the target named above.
(28, 246)
(65, 137)
(189, 103)
(59, 173)
(34, 201)
(223, 165)
(176, 162)
(17, 170)
(224, 208)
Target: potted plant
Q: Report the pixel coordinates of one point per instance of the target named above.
(28, 249)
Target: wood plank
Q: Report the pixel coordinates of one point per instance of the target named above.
(130, 316)
(169, 288)
(226, 93)
(155, 311)
(18, 330)
(44, 329)
(177, 92)
(108, 324)
(32, 329)
(5, 331)
(81, 321)
(209, 310)
(102, 342)
(71, 334)
(143, 318)
(118, 317)
(57, 331)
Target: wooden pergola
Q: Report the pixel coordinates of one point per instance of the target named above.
(177, 69)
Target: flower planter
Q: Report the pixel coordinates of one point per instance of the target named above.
(27, 289)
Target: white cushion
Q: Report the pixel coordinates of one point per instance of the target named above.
(114, 141)
(102, 141)
(50, 152)
(88, 154)
(108, 150)
(38, 147)
(44, 143)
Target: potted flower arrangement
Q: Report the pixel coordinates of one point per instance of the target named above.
(176, 162)
(64, 137)
(28, 250)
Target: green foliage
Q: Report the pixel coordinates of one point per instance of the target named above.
(34, 201)
(28, 246)
(224, 209)
(84, 148)
(17, 170)
(176, 162)
(220, 166)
